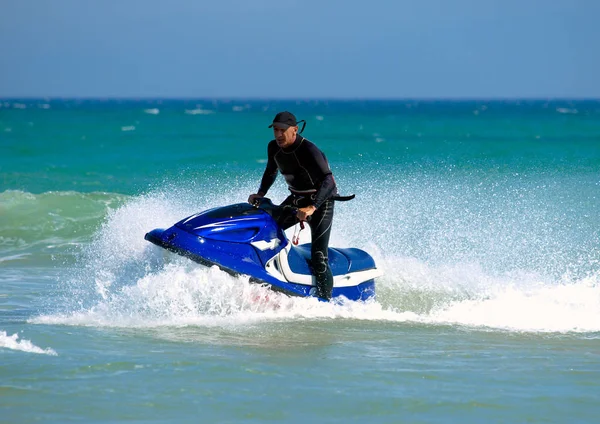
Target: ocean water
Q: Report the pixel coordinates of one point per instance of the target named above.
(484, 216)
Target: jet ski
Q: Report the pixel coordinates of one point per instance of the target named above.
(244, 239)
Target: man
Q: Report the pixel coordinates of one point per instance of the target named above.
(312, 186)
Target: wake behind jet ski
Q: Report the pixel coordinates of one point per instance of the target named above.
(243, 239)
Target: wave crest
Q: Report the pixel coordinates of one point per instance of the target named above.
(13, 342)
(51, 222)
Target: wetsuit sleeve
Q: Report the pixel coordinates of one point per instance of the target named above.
(328, 186)
(270, 173)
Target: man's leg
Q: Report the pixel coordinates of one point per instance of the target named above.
(320, 228)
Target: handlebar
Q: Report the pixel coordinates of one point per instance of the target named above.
(267, 205)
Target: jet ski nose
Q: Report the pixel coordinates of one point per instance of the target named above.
(157, 235)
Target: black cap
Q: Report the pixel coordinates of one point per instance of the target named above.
(284, 118)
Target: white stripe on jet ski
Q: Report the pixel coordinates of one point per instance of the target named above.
(191, 217)
(264, 245)
(224, 223)
(346, 280)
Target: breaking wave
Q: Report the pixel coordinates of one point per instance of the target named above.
(13, 342)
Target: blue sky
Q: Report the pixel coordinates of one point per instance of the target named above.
(300, 48)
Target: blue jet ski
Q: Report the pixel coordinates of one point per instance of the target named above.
(243, 239)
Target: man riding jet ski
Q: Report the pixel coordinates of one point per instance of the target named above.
(244, 239)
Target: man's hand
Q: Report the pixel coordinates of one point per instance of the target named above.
(253, 198)
(304, 213)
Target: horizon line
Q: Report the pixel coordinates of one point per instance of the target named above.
(333, 98)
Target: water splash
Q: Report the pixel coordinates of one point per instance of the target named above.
(453, 253)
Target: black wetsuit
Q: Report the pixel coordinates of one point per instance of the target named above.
(306, 171)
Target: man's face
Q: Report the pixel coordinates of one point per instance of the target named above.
(284, 135)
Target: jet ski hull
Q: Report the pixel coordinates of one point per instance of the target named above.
(242, 242)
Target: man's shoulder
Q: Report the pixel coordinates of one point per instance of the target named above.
(310, 146)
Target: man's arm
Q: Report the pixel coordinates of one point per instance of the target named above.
(328, 186)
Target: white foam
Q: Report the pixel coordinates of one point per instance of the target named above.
(120, 241)
(566, 110)
(128, 128)
(154, 111)
(465, 294)
(199, 111)
(13, 342)
(182, 295)
(561, 308)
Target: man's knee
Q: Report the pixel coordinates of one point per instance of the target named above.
(319, 262)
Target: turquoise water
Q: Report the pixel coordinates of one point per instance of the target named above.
(484, 216)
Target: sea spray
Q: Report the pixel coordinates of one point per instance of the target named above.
(452, 253)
